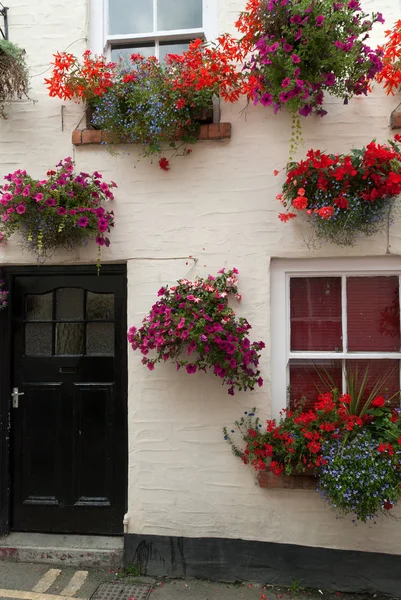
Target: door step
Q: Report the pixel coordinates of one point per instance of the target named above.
(59, 549)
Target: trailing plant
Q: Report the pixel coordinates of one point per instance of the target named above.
(354, 449)
(14, 75)
(193, 325)
(390, 75)
(3, 296)
(361, 477)
(63, 211)
(345, 195)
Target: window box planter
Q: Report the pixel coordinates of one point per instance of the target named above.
(212, 132)
(299, 481)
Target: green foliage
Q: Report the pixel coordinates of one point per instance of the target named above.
(14, 75)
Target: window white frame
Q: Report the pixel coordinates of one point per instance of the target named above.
(281, 273)
(100, 41)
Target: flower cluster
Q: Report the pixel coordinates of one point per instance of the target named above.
(344, 194)
(390, 74)
(146, 105)
(345, 443)
(360, 477)
(64, 210)
(303, 49)
(195, 319)
(3, 296)
(87, 80)
(146, 101)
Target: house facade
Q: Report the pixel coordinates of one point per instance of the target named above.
(100, 444)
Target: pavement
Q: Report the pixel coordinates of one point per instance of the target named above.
(28, 581)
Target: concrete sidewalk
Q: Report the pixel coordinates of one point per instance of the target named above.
(26, 581)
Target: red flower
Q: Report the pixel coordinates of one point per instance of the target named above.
(387, 505)
(382, 448)
(300, 202)
(378, 402)
(164, 164)
(284, 217)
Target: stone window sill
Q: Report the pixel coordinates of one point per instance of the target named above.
(304, 481)
(81, 137)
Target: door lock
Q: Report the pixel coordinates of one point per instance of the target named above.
(14, 395)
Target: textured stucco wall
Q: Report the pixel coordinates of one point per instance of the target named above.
(219, 206)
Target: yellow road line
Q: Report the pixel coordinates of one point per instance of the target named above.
(76, 582)
(23, 595)
(46, 581)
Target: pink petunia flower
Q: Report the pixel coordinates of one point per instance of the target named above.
(83, 222)
(21, 208)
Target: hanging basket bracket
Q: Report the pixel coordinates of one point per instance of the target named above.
(4, 29)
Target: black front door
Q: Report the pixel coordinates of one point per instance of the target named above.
(69, 440)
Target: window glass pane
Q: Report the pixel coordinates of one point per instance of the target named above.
(100, 339)
(316, 313)
(99, 306)
(382, 377)
(123, 53)
(39, 307)
(38, 339)
(70, 338)
(179, 14)
(373, 314)
(306, 380)
(69, 304)
(170, 48)
(131, 16)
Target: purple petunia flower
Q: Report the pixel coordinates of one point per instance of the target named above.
(319, 20)
(83, 222)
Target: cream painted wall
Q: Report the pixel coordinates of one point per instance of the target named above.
(217, 205)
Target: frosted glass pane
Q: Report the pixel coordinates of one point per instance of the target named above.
(39, 307)
(169, 48)
(130, 16)
(179, 14)
(100, 339)
(38, 339)
(70, 304)
(123, 54)
(70, 338)
(99, 306)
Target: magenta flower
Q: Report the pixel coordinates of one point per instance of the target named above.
(286, 82)
(150, 366)
(295, 58)
(100, 241)
(287, 47)
(83, 222)
(38, 197)
(51, 202)
(26, 191)
(319, 20)
(62, 211)
(72, 211)
(191, 369)
(102, 225)
(21, 208)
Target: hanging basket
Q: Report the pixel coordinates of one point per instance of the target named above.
(13, 74)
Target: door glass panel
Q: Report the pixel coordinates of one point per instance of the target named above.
(179, 14)
(70, 304)
(70, 338)
(100, 339)
(38, 307)
(130, 16)
(99, 306)
(38, 339)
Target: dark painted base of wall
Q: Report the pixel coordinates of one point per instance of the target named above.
(264, 562)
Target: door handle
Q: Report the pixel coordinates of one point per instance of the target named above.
(14, 395)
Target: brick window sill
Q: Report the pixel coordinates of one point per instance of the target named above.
(304, 481)
(213, 132)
